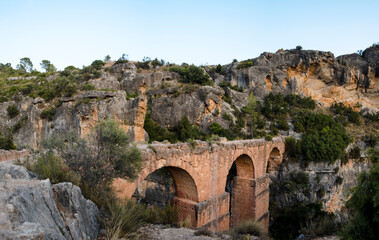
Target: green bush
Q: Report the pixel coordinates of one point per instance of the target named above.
(293, 148)
(282, 124)
(185, 130)
(48, 113)
(324, 139)
(219, 69)
(88, 87)
(192, 74)
(22, 122)
(51, 166)
(124, 219)
(6, 141)
(97, 64)
(348, 112)
(268, 137)
(245, 64)
(12, 111)
(216, 128)
(131, 95)
(371, 140)
(355, 153)
(373, 154)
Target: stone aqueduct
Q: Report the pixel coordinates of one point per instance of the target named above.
(200, 177)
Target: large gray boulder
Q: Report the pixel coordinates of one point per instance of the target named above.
(36, 209)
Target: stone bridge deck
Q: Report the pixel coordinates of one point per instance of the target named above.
(200, 175)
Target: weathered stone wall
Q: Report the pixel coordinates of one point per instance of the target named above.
(11, 155)
(200, 176)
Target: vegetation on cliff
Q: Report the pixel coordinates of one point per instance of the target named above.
(364, 207)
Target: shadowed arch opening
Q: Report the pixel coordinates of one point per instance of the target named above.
(238, 185)
(162, 185)
(170, 185)
(274, 160)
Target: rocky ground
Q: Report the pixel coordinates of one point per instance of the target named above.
(160, 232)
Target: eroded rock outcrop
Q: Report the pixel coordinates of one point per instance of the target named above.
(36, 209)
(350, 79)
(330, 184)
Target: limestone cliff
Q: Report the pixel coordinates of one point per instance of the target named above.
(125, 93)
(330, 184)
(351, 79)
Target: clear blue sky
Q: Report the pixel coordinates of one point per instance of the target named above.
(77, 32)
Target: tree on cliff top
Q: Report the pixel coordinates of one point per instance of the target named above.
(25, 65)
(48, 66)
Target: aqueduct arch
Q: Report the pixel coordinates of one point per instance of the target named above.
(200, 175)
(241, 190)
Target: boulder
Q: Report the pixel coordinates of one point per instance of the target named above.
(36, 209)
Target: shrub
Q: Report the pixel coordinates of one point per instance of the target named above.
(20, 124)
(185, 130)
(97, 64)
(348, 112)
(355, 153)
(6, 141)
(282, 124)
(48, 113)
(268, 137)
(373, 154)
(371, 140)
(293, 148)
(131, 95)
(219, 69)
(245, 64)
(12, 111)
(88, 87)
(299, 47)
(169, 214)
(50, 166)
(192, 74)
(324, 140)
(250, 227)
(124, 219)
(216, 128)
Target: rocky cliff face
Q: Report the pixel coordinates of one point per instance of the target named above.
(126, 93)
(351, 79)
(36, 209)
(330, 184)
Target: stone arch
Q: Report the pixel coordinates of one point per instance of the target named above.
(125, 189)
(245, 166)
(185, 185)
(274, 160)
(240, 185)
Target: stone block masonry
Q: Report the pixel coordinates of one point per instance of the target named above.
(200, 177)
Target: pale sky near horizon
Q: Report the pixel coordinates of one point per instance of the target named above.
(201, 32)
